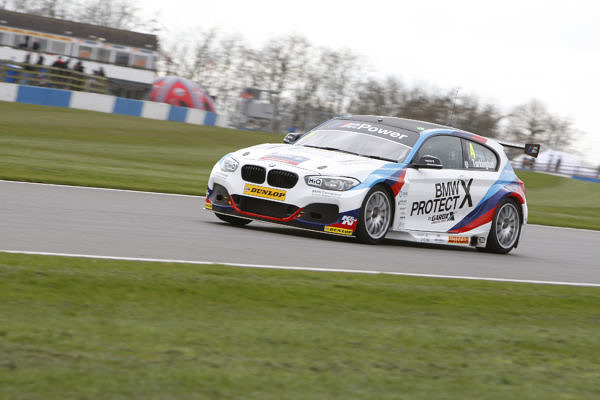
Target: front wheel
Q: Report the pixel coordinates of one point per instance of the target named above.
(506, 228)
(375, 216)
(233, 220)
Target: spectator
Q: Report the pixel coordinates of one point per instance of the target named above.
(28, 61)
(58, 63)
(40, 60)
(78, 66)
(557, 166)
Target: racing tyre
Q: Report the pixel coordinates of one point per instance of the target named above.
(375, 216)
(233, 220)
(506, 228)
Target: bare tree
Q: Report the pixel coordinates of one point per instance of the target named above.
(532, 122)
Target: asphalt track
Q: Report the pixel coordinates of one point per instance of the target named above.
(112, 223)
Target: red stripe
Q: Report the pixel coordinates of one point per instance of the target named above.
(479, 139)
(396, 187)
(484, 219)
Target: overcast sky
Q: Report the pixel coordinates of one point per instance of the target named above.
(504, 52)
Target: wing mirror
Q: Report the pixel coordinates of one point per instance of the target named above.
(291, 137)
(427, 161)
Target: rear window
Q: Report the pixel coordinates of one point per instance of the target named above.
(479, 157)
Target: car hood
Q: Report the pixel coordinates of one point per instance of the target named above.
(318, 161)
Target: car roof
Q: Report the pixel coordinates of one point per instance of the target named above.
(404, 123)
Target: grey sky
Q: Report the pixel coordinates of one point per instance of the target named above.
(503, 52)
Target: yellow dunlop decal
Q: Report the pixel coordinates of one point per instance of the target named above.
(267, 193)
(208, 206)
(339, 231)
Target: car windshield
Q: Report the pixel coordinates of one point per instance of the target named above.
(368, 140)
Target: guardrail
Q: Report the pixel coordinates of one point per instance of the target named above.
(558, 167)
(51, 77)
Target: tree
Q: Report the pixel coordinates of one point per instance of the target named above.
(532, 122)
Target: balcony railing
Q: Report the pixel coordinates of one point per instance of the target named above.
(52, 77)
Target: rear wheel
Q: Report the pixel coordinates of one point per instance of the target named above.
(375, 216)
(506, 228)
(233, 220)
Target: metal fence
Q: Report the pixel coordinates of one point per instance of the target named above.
(557, 167)
(53, 77)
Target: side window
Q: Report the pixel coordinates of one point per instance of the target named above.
(479, 157)
(447, 148)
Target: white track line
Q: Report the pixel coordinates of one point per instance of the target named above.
(101, 188)
(281, 267)
(202, 196)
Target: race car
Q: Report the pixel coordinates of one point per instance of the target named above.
(378, 177)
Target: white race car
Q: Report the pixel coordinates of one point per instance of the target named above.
(378, 177)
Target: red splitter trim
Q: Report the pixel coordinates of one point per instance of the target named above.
(286, 219)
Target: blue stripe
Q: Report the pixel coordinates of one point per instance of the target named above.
(128, 107)
(210, 118)
(177, 114)
(500, 189)
(43, 96)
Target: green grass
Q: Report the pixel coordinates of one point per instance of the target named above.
(81, 329)
(554, 200)
(61, 145)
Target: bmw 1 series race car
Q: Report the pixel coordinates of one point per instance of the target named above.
(378, 177)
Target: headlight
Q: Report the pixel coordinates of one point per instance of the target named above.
(331, 182)
(229, 165)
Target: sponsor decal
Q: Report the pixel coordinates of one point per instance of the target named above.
(326, 193)
(349, 220)
(406, 137)
(207, 204)
(338, 230)
(447, 196)
(346, 225)
(436, 219)
(267, 193)
(285, 158)
(313, 180)
(458, 239)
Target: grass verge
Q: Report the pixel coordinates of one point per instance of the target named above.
(554, 200)
(67, 146)
(80, 328)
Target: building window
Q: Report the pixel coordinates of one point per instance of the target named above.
(103, 55)
(57, 47)
(85, 52)
(122, 58)
(42, 44)
(140, 61)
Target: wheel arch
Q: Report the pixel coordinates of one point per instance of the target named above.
(518, 202)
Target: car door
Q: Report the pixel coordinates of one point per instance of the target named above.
(481, 165)
(437, 199)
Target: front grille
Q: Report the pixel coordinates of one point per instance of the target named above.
(253, 173)
(282, 179)
(264, 207)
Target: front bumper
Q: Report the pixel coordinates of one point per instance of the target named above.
(302, 206)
